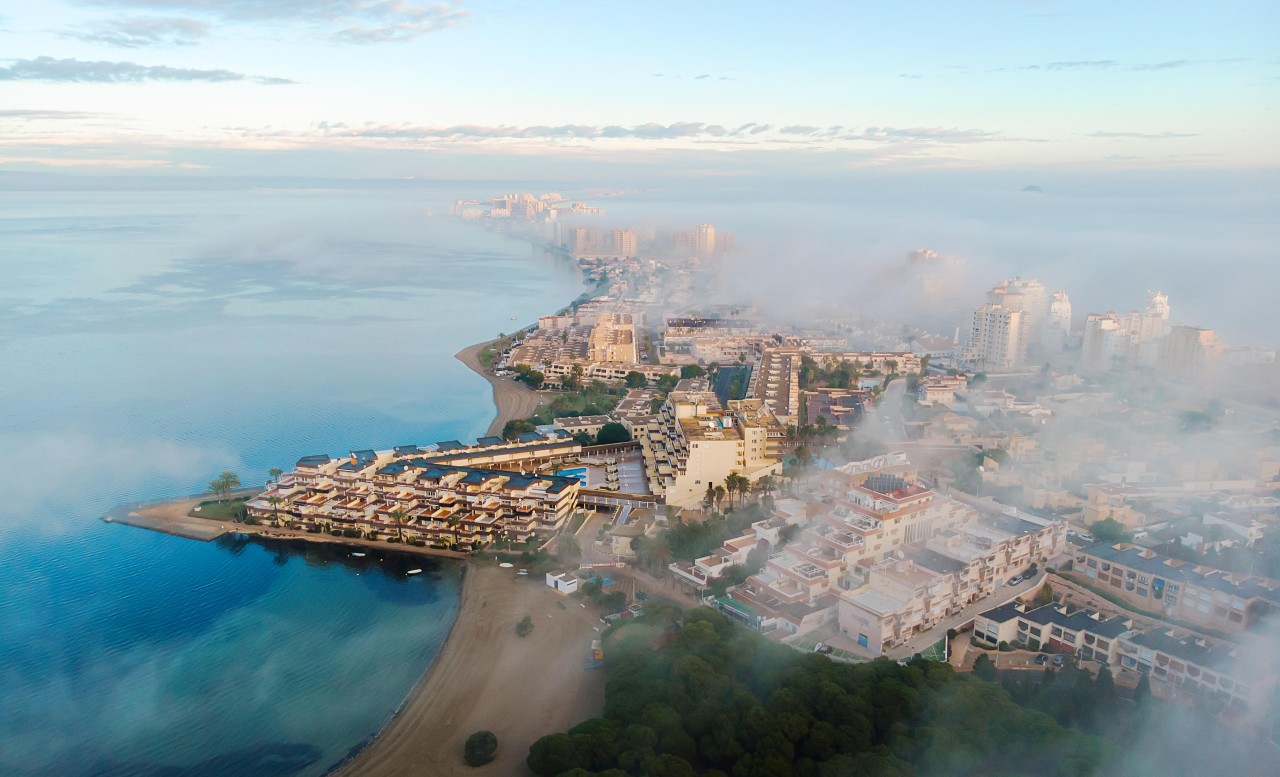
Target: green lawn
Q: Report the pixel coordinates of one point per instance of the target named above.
(221, 510)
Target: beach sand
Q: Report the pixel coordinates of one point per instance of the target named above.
(513, 399)
(487, 677)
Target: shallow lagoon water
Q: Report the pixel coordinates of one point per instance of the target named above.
(148, 341)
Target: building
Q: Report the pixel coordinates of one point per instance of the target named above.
(562, 582)
(1181, 591)
(775, 380)
(1057, 329)
(837, 407)
(695, 443)
(1189, 352)
(625, 243)
(706, 240)
(940, 389)
(1194, 664)
(438, 495)
(1082, 633)
(996, 340)
(1116, 341)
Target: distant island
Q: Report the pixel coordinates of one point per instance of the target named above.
(1033, 189)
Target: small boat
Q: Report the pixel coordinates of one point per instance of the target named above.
(413, 571)
(358, 555)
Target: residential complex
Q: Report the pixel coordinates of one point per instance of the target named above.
(446, 495)
(1180, 591)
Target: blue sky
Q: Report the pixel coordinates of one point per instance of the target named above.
(387, 87)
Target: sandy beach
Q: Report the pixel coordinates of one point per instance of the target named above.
(512, 399)
(487, 677)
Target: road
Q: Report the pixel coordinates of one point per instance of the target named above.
(885, 419)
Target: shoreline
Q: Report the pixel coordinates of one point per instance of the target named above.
(512, 400)
(485, 677)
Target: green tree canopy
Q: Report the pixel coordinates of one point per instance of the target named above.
(612, 432)
(1108, 530)
(480, 748)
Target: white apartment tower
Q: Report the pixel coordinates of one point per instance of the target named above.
(1058, 328)
(996, 339)
(1112, 340)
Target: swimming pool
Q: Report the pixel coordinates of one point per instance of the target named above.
(575, 472)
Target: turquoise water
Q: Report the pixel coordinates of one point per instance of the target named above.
(149, 341)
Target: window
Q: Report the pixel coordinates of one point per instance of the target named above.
(1142, 579)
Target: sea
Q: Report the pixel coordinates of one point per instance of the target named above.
(150, 340)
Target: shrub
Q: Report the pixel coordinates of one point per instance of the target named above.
(480, 748)
(525, 627)
(1004, 647)
(350, 533)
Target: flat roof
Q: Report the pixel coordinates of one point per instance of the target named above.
(1185, 572)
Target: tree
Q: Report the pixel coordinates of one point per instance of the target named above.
(480, 748)
(1108, 530)
(274, 500)
(516, 427)
(568, 550)
(1044, 595)
(692, 371)
(635, 379)
(984, 669)
(275, 473)
(719, 496)
(224, 484)
(399, 516)
(533, 379)
(612, 432)
(1105, 686)
(1142, 694)
(525, 627)
(709, 498)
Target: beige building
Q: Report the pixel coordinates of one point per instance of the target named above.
(438, 500)
(1202, 596)
(695, 443)
(1189, 352)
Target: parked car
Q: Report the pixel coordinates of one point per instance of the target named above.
(1059, 661)
(1042, 659)
(523, 572)
(1032, 572)
(1015, 580)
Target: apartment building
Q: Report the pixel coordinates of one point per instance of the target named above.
(1242, 676)
(940, 389)
(1082, 633)
(776, 380)
(836, 406)
(1201, 596)
(695, 442)
(429, 494)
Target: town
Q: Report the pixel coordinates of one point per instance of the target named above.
(1022, 488)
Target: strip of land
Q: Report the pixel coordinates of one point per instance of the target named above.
(512, 398)
(488, 677)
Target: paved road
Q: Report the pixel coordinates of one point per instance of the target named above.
(885, 419)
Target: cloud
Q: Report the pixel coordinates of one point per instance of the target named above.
(37, 114)
(701, 76)
(799, 129)
(1144, 135)
(1084, 64)
(75, 70)
(909, 75)
(1111, 64)
(140, 31)
(347, 21)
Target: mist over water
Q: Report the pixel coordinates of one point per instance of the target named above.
(149, 341)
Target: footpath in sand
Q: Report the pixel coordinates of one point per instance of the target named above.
(512, 398)
(487, 677)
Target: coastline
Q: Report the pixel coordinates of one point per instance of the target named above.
(511, 398)
(485, 677)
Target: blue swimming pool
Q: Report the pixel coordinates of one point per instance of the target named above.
(575, 472)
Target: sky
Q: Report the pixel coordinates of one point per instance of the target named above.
(409, 88)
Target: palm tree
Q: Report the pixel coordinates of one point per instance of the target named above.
(660, 553)
(275, 473)
(274, 500)
(719, 496)
(710, 497)
(225, 483)
(399, 516)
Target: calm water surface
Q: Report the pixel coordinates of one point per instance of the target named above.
(149, 341)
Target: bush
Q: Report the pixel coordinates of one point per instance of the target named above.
(951, 633)
(350, 533)
(480, 748)
(1004, 647)
(525, 627)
